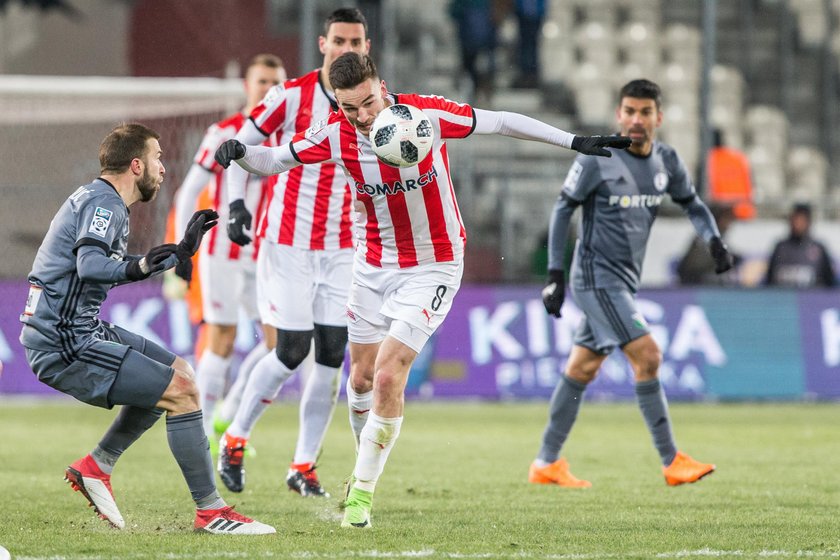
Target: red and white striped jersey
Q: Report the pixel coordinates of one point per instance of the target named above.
(217, 242)
(404, 217)
(309, 207)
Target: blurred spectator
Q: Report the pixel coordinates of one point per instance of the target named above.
(530, 14)
(730, 180)
(476, 22)
(697, 265)
(800, 261)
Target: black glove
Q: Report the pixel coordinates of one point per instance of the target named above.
(184, 270)
(153, 261)
(238, 222)
(229, 151)
(594, 145)
(723, 258)
(554, 292)
(200, 223)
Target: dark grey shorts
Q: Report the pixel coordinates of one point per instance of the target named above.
(611, 319)
(126, 369)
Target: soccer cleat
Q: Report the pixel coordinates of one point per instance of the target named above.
(357, 509)
(303, 479)
(231, 459)
(86, 477)
(684, 469)
(225, 521)
(556, 473)
(220, 426)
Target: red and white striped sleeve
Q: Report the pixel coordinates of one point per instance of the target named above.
(455, 120)
(270, 114)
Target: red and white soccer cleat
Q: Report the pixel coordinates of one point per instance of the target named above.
(225, 521)
(86, 477)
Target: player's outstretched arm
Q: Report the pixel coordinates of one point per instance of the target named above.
(704, 224)
(524, 127)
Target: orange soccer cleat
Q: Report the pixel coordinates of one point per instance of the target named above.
(684, 469)
(556, 473)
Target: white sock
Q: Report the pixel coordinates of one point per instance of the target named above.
(359, 405)
(377, 440)
(266, 380)
(210, 377)
(234, 396)
(317, 405)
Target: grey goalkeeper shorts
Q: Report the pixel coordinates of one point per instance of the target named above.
(126, 369)
(611, 319)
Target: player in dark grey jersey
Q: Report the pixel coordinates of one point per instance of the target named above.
(620, 197)
(70, 349)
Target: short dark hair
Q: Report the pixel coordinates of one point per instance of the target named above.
(265, 59)
(351, 69)
(122, 145)
(642, 89)
(801, 208)
(345, 15)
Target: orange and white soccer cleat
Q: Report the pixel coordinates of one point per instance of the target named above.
(683, 469)
(556, 473)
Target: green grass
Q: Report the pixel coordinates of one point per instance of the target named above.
(455, 487)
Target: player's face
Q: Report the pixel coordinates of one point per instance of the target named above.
(639, 119)
(259, 79)
(152, 176)
(362, 103)
(342, 38)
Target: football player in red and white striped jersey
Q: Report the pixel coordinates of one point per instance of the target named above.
(410, 241)
(305, 261)
(226, 269)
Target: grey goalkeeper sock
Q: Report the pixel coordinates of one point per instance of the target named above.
(131, 423)
(191, 449)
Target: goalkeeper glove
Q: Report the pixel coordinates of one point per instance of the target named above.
(554, 292)
(595, 145)
(238, 222)
(153, 261)
(229, 151)
(721, 255)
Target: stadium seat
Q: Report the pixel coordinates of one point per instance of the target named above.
(593, 95)
(807, 174)
(639, 44)
(768, 174)
(768, 127)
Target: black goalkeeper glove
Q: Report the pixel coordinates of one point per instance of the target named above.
(184, 270)
(153, 261)
(200, 223)
(238, 222)
(594, 145)
(554, 292)
(229, 151)
(721, 255)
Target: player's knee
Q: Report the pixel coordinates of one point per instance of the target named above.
(292, 347)
(648, 364)
(183, 393)
(330, 344)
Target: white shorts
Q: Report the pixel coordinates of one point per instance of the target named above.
(408, 304)
(225, 286)
(299, 288)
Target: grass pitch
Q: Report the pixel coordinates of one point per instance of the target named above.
(455, 487)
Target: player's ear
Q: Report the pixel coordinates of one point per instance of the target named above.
(383, 88)
(136, 166)
(322, 44)
(367, 46)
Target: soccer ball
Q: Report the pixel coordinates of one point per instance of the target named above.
(401, 135)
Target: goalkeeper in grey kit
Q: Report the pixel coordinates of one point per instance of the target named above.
(620, 197)
(69, 348)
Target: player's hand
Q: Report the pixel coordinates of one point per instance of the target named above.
(554, 292)
(229, 151)
(595, 145)
(153, 261)
(721, 255)
(200, 223)
(238, 222)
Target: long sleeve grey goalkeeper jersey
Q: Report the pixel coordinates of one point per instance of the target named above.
(62, 309)
(620, 197)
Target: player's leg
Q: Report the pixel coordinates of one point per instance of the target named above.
(594, 339)
(645, 357)
(226, 412)
(548, 467)
(320, 392)
(220, 283)
(285, 293)
(413, 304)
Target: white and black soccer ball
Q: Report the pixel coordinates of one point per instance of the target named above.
(402, 135)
